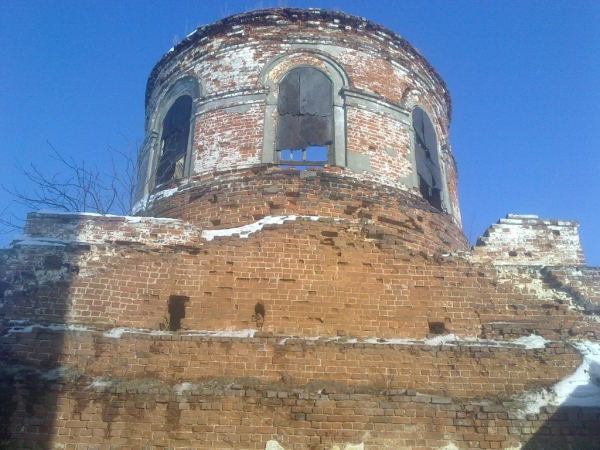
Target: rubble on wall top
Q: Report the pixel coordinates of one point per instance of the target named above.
(522, 216)
(532, 219)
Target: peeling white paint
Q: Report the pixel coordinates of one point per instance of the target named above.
(523, 240)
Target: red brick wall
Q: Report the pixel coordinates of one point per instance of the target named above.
(232, 58)
(225, 139)
(526, 239)
(312, 277)
(458, 371)
(130, 407)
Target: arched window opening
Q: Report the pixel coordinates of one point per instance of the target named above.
(428, 162)
(305, 118)
(174, 140)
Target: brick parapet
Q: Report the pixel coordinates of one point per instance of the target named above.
(88, 229)
(526, 239)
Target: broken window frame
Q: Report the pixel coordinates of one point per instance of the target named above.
(427, 158)
(304, 106)
(172, 157)
(151, 151)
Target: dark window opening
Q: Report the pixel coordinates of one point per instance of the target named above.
(305, 118)
(437, 327)
(174, 140)
(176, 311)
(259, 315)
(428, 165)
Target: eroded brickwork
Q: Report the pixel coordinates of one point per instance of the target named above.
(521, 239)
(244, 415)
(239, 62)
(263, 307)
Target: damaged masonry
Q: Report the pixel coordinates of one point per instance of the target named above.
(295, 274)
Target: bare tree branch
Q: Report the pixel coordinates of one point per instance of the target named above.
(77, 187)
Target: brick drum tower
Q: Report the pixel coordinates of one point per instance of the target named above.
(295, 275)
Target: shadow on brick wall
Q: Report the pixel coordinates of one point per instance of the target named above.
(34, 303)
(566, 427)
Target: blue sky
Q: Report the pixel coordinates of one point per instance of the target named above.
(524, 78)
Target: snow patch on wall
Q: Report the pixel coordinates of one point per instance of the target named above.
(148, 200)
(117, 333)
(245, 230)
(581, 388)
(18, 326)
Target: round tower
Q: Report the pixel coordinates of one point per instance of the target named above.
(305, 112)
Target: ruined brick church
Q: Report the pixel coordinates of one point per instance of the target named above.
(294, 274)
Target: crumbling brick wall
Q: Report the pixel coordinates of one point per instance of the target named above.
(526, 239)
(131, 396)
(312, 277)
(259, 307)
(239, 62)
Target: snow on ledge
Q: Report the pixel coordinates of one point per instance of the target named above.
(25, 239)
(19, 327)
(117, 333)
(531, 341)
(133, 219)
(148, 200)
(245, 230)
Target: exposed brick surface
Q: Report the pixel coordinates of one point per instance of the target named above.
(522, 239)
(460, 371)
(243, 415)
(312, 277)
(314, 308)
(235, 198)
(231, 59)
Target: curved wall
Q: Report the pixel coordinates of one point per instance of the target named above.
(237, 63)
